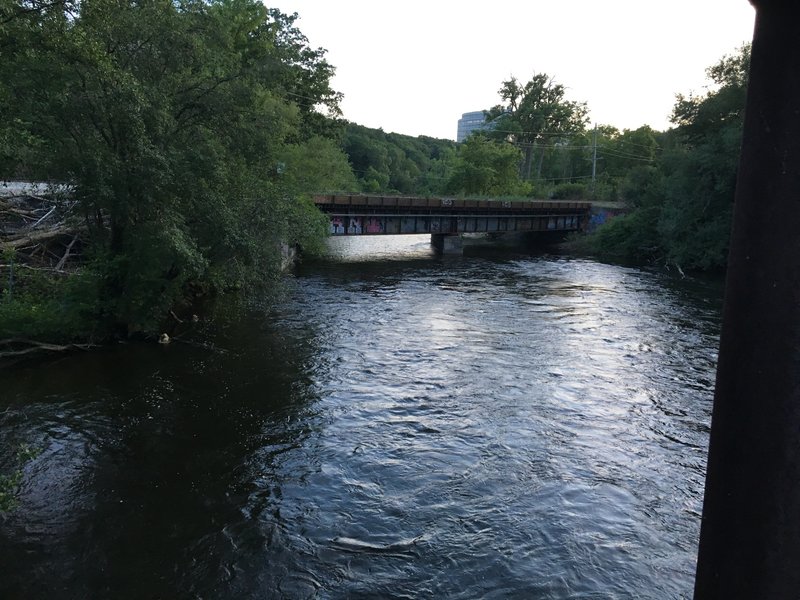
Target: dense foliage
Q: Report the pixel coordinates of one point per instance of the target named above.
(484, 167)
(676, 186)
(559, 156)
(396, 163)
(682, 205)
(191, 132)
(533, 114)
(186, 129)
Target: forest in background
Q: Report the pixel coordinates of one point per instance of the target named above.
(190, 135)
(676, 187)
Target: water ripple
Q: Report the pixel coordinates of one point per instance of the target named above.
(418, 427)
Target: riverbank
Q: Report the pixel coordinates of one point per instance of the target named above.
(64, 285)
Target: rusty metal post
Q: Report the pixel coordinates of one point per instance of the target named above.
(750, 534)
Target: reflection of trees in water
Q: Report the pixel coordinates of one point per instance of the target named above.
(148, 452)
(373, 400)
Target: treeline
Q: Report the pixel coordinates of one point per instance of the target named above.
(676, 186)
(486, 166)
(545, 155)
(395, 163)
(681, 205)
(189, 134)
(187, 131)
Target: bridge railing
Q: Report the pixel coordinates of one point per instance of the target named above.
(369, 215)
(448, 204)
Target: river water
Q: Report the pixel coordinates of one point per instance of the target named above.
(394, 425)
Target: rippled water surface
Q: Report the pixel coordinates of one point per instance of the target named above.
(399, 425)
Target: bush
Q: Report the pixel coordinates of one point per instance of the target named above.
(570, 191)
(41, 305)
(628, 237)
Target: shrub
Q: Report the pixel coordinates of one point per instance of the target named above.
(570, 191)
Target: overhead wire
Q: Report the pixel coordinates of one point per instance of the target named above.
(619, 154)
(587, 132)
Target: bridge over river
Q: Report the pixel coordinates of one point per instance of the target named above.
(447, 218)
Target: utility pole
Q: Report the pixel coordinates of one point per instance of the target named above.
(594, 156)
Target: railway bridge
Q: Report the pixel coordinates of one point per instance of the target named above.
(445, 219)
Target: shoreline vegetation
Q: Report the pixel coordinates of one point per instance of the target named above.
(189, 137)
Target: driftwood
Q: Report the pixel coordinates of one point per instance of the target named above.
(40, 229)
(32, 268)
(23, 347)
(44, 218)
(64, 258)
(20, 212)
(20, 240)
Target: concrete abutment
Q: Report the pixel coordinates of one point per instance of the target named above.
(447, 243)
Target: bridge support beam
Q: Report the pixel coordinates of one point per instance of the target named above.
(447, 243)
(750, 533)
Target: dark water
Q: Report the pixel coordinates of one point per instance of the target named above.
(398, 426)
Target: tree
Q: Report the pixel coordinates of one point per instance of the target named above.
(535, 114)
(721, 106)
(485, 167)
(317, 165)
(701, 167)
(169, 119)
(683, 200)
(622, 151)
(392, 162)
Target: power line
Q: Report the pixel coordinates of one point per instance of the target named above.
(628, 143)
(605, 149)
(617, 154)
(568, 134)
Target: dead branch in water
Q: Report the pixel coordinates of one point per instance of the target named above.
(31, 346)
(34, 226)
(64, 258)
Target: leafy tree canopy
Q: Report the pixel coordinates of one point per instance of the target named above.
(535, 113)
(683, 200)
(698, 116)
(485, 167)
(171, 121)
(395, 163)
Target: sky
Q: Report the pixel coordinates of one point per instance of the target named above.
(415, 66)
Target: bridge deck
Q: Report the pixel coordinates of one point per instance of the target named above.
(375, 215)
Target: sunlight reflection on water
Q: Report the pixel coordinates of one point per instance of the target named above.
(508, 427)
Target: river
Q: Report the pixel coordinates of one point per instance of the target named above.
(394, 425)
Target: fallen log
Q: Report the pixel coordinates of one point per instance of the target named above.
(20, 212)
(32, 346)
(20, 265)
(36, 237)
(64, 258)
(44, 218)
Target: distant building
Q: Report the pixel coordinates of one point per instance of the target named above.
(469, 122)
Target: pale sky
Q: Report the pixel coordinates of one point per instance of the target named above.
(415, 66)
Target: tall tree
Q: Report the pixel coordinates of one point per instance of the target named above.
(683, 201)
(535, 114)
(701, 167)
(170, 120)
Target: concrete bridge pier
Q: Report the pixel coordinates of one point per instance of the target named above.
(447, 243)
